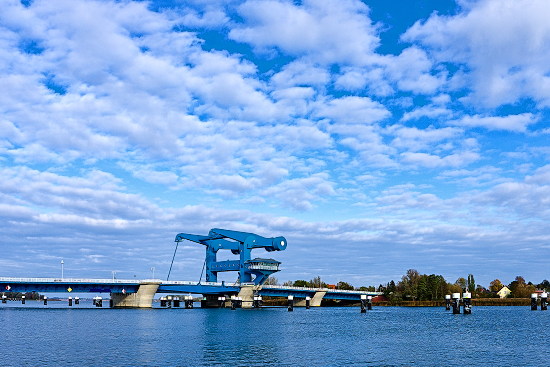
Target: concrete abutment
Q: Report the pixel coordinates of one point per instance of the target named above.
(143, 298)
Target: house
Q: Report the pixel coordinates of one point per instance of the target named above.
(504, 292)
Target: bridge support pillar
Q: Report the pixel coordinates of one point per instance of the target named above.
(247, 295)
(317, 298)
(143, 298)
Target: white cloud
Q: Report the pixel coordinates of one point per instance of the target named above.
(502, 43)
(327, 32)
(353, 110)
(301, 73)
(435, 161)
(426, 111)
(415, 139)
(515, 123)
(302, 193)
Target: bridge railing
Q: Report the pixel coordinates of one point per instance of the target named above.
(69, 280)
(318, 289)
(183, 282)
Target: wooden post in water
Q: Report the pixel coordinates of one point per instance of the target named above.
(447, 302)
(363, 303)
(308, 302)
(369, 303)
(22, 300)
(4, 299)
(70, 301)
(45, 300)
(76, 300)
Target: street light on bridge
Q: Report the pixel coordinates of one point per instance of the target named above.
(62, 263)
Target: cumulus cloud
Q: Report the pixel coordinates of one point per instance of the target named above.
(501, 45)
(353, 110)
(515, 123)
(123, 123)
(327, 32)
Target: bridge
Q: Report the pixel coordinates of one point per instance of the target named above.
(252, 275)
(134, 293)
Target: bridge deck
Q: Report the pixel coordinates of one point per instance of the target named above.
(83, 285)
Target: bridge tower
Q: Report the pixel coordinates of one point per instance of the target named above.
(250, 270)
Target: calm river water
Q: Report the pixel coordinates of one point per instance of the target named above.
(386, 336)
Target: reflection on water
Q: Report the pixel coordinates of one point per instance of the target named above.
(85, 336)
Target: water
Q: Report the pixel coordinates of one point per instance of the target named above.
(386, 336)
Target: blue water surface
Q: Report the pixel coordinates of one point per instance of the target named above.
(34, 335)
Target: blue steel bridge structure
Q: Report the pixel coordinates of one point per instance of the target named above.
(251, 278)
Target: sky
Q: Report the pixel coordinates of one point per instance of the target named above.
(376, 136)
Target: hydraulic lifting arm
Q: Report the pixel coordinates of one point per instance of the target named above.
(239, 243)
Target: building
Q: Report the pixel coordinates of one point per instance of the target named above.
(504, 292)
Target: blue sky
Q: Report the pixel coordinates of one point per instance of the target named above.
(376, 136)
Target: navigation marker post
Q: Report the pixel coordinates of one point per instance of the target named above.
(544, 301)
(534, 301)
(290, 303)
(456, 303)
(363, 303)
(467, 300)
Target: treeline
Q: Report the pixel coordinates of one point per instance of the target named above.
(414, 286)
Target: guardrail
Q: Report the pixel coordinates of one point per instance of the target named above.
(319, 289)
(71, 280)
(183, 282)
(173, 282)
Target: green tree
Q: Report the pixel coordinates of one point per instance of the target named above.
(408, 286)
(301, 283)
(344, 286)
(422, 291)
(471, 284)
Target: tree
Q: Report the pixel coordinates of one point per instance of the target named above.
(462, 283)
(271, 280)
(520, 289)
(370, 288)
(544, 285)
(408, 285)
(301, 283)
(344, 286)
(317, 283)
(496, 285)
(471, 284)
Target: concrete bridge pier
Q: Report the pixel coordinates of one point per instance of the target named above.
(317, 298)
(247, 295)
(143, 298)
(314, 302)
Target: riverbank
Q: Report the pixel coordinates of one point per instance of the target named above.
(277, 301)
(475, 302)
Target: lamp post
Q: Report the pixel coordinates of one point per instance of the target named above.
(153, 270)
(62, 263)
(114, 275)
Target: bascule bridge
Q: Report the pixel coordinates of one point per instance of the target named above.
(250, 278)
